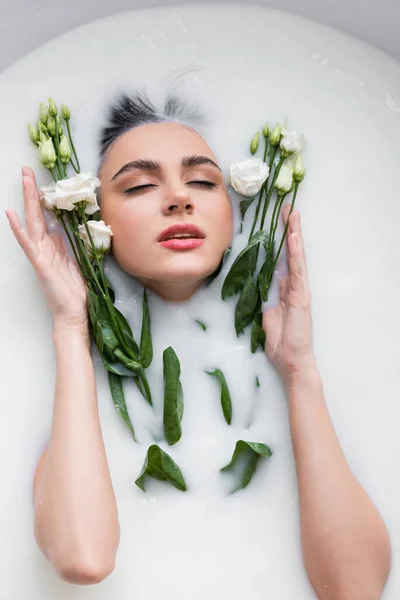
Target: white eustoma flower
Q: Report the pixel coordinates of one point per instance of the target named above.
(292, 141)
(247, 177)
(101, 236)
(66, 193)
(284, 181)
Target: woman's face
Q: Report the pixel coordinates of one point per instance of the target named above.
(164, 197)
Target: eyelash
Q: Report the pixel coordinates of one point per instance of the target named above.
(139, 188)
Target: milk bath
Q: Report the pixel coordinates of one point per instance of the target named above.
(244, 67)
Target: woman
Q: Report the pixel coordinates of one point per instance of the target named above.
(163, 194)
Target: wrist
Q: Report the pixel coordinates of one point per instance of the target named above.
(307, 375)
(63, 331)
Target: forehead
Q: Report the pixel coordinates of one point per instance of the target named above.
(166, 143)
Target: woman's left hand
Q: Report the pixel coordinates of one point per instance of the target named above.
(288, 326)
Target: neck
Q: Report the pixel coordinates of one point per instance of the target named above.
(173, 291)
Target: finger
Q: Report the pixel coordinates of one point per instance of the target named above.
(35, 221)
(297, 267)
(283, 287)
(27, 244)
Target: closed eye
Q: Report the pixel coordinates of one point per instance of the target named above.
(202, 183)
(138, 188)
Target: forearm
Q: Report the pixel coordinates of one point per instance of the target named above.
(76, 521)
(345, 542)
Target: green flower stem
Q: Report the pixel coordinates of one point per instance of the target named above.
(56, 141)
(271, 190)
(85, 259)
(52, 173)
(275, 218)
(99, 262)
(264, 187)
(296, 187)
(106, 295)
(77, 168)
(60, 217)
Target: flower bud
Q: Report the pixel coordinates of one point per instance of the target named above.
(266, 131)
(65, 150)
(47, 153)
(299, 171)
(43, 113)
(43, 136)
(52, 107)
(66, 113)
(51, 125)
(284, 182)
(33, 133)
(254, 143)
(60, 128)
(275, 136)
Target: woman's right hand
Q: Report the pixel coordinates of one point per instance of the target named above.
(60, 279)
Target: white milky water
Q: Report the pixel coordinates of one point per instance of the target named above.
(244, 66)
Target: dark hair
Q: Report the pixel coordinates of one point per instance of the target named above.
(131, 111)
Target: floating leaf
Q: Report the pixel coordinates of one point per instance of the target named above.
(117, 393)
(244, 264)
(226, 401)
(146, 344)
(257, 382)
(265, 275)
(218, 269)
(201, 324)
(246, 305)
(245, 205)
(244, 462)
(257, 333)
(173, 397)
(161, 466)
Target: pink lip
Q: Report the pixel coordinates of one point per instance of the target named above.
(182, 243)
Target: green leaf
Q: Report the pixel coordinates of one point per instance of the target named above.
(146, 344)
(173, 397)
(116, 367)
(226, 401)
(117, 393)
(245, 205)
(247, 305)
(244, 264)
(265, 275)
(126, 332)
(244, 462)
(218, 269)
(257, 333)
(201, 324)
(161, 466)
(257, 382)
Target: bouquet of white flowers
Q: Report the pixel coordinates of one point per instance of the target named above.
(74, 202)
(278, 174)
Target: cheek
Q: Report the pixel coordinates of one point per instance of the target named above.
(221, 221)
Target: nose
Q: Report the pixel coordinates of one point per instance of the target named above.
(178, 202)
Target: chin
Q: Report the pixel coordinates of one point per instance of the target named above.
(183, 268)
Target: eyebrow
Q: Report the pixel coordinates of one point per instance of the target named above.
(150, 165)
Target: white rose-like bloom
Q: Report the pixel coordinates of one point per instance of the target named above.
(292, 141)
(247, 177)
(101, 236)
(65, 193)
(284, 180)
